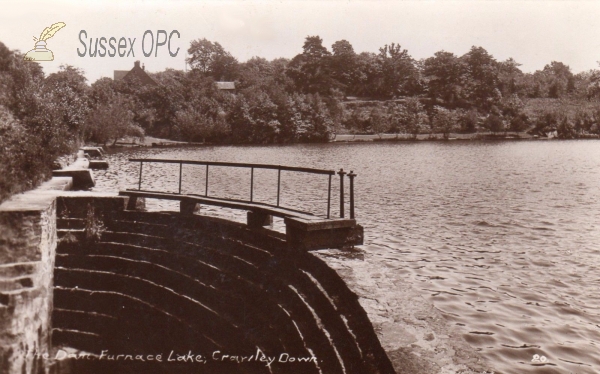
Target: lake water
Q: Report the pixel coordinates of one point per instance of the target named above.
(502, 237)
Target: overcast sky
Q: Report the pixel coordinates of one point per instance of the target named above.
(532, 32)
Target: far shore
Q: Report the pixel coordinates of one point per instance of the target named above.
(452, 136)
(150, 141)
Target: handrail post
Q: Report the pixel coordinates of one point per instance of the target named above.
(351, 176)
(140, 180)
(251, 183)
(206, 188)
(341, 173)
(329, 198)
(180, 170)
(278, 184)
(279, 168)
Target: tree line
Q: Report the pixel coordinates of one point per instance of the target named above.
(309, 98)
(321, 92)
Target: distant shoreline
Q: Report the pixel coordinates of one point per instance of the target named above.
(343, 138)
(153, 142)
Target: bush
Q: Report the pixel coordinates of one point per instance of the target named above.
(493, 123)
(444, 121)
(23, 164)
(468, 121)
(111, 121)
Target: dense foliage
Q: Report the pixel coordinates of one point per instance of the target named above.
(309, 98)
(41, 118)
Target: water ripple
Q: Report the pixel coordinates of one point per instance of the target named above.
(503, 237)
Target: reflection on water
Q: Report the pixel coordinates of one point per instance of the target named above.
(503, 237)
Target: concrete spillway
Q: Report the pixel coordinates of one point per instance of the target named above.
(139, 284)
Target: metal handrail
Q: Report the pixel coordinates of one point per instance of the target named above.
(279, 168)
(236, 164)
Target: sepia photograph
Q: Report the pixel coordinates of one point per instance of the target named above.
(300, 187)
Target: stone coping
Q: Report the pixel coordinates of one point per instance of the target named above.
(45, 194)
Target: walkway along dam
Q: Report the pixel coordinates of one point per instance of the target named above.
(92, 283)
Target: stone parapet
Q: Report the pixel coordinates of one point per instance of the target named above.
(80, 172)
(28, 241)
(27, 251)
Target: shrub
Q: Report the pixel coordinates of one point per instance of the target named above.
(23, 164)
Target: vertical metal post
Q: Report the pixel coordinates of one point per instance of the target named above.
(278, 184)
(180, 170)
(329, 197)
(140, 181)
(206, 189)
(251, 183)
(341, 173)
(351, 176)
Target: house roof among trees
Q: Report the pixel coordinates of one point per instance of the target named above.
(120, 74)
(225, 85)
(137, 72)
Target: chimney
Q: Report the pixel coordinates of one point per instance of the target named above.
(136, 64)
(143, 67)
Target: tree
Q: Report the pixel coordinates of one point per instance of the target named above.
(254, 118)
(102, 91)
(494, 123)
(320, 120)
(343, 63)
(554, 81)
(379, 120)
(257, 72)
(68, 95)
(413, 117)
(310, 70)
(444, 75)
(518, 123)
(593, 86)
(192, 124)
(444, 121)
(40, 119)
(56, 111)
(510, 77)
(280, 76)
(512, 110)
(212, 59)
(358, 120)
(582, 122)
(22, 159)
(559, 79)
(20, 83)
(399, 73)
(468, 120)
(546, 122)
(368, 77)
(112, 121)
(565, 129)
(481, 83)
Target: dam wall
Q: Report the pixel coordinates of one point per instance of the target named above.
(28, 241)
(82, 276)
(166, 283)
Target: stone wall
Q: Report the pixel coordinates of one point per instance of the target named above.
(28, 242)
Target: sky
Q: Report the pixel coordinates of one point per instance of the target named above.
(534, 33)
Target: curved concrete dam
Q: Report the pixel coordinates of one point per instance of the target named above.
(141, 292)
(91, 284)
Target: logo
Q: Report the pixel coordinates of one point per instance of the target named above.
(40, 52)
